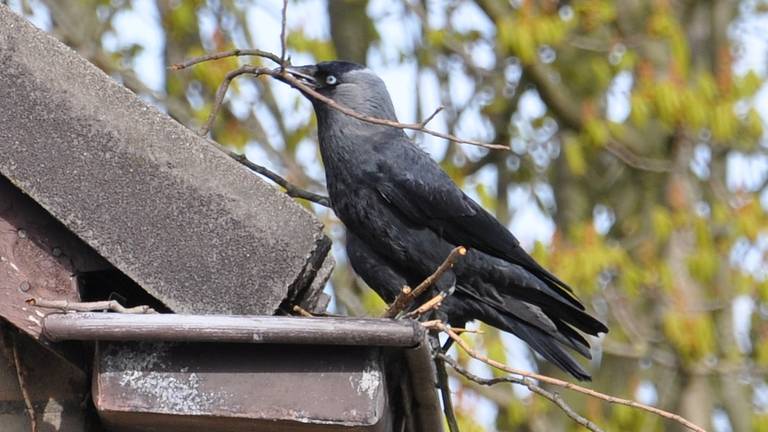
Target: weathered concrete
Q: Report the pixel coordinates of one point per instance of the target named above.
(187, 223)
(179, 387)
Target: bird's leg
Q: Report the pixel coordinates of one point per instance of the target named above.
(447, 284)
(429, 309)
(447, 290)
(447, 345)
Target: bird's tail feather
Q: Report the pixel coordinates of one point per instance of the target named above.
(543, 343)
(519, 256)
(558, 310)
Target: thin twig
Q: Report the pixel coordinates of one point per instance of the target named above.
(429, 305)
(282, 35)
(290, 189)
(636, 161)
(375, 120)
(431, 116)
(112, 305)
(401, 301)
(301, 311)
(21, 377)
(457, 330)
(559, 100)
(527, 382)
(445, 393)
(222, 91)
(560, 383)
(287, 77)
(224, 54)
(407, 295)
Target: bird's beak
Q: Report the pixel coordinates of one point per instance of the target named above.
(305, 74)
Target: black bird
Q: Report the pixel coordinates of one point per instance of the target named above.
(404, 215)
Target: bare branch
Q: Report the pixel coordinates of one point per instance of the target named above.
(557, 98)
(527, 382)
(445, 392)
(282, 34)
(429, 305)
(368, 119)
(21, 377)
(225, 54)
(112, 305)
(560, 383)
(290, 189)
(287, 77)
(457, 330)
(301, 311)
(627, 156)
(458, 251)
(431, 116)
(401, 301)
(407, 295)
(222, 91)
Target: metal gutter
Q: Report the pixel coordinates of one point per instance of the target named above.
(424, 404)
(233, 329)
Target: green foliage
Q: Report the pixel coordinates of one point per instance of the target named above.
(319, 49)
(679, 326)
(574, 155)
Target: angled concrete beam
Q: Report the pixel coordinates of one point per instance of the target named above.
(187, 223)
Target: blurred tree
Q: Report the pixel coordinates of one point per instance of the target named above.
(634, 127)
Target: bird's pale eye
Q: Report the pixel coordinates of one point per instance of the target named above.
(331, 80)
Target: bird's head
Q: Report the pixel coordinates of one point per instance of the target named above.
(348, 84)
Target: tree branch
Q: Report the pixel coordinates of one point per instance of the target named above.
(221, 92)
(429, 305)
(66, 305)
(408, 295)
(444, 386)
(436, 325)
(431, 116)
(557, 98)
(283, 75)
(375, 120)
(225, 54)
(21, 377)
(290, 189)
(527, 382)
(284, 12)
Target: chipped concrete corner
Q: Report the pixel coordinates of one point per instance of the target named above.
(160, 203)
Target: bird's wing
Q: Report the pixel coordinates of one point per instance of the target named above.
(424, 195)
(422, 192)
(374, 269)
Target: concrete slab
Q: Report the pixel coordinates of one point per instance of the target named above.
(179, 387)
(186, 222)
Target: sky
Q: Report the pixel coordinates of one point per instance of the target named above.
(140, 26)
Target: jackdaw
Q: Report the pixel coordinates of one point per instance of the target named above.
(404, 214)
